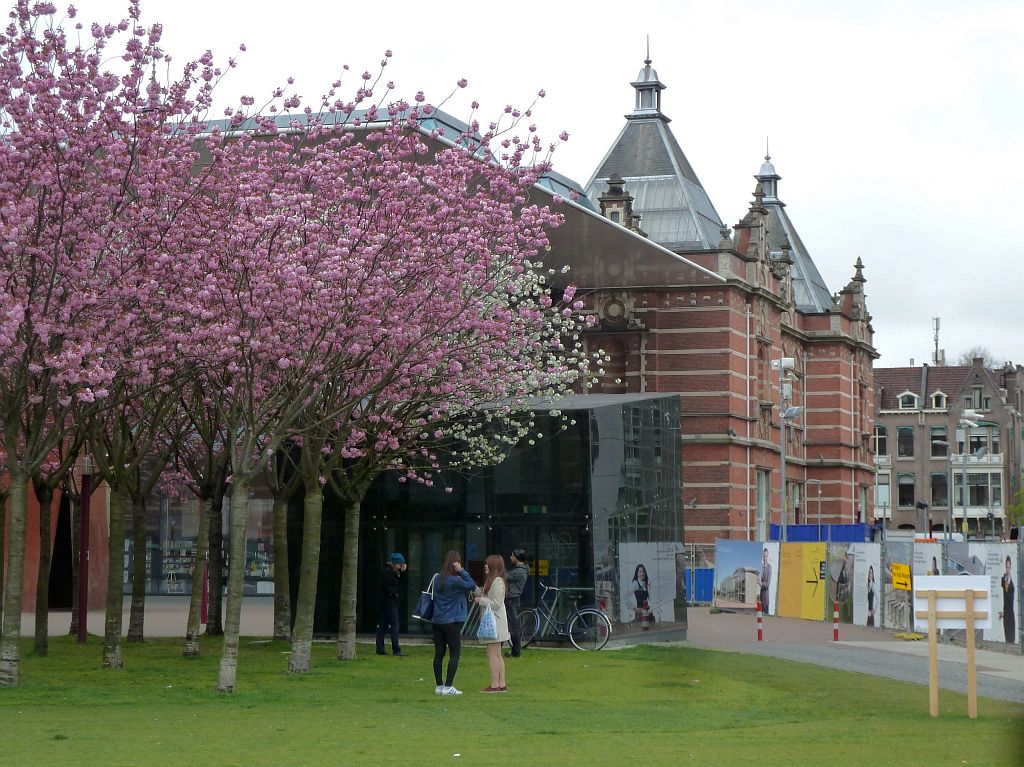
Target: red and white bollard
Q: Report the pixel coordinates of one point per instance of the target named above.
(760, 622)
(835, 621)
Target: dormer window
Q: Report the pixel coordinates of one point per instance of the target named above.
(908, 401)
(939, 401)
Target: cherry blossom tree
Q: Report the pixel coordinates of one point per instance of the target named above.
(51, 475)
(201, 464)
(92, 177)
(284, 481)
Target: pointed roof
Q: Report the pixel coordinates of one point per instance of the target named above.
(674, 208)
(812, 295)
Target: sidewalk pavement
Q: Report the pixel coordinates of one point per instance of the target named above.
(861, 649)
(1000, 674)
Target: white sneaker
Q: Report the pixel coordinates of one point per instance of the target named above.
(439, 690)
(451, 691)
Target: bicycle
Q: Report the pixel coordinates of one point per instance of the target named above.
(587, 628)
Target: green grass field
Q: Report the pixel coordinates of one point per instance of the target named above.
(647, 705)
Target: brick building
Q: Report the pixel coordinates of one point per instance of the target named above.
(713, 341)
(920, 448)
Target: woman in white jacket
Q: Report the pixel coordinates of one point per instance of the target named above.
(493, 595)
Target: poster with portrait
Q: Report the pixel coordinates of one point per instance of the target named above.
(842, 574)
(1001, 568)
(927, 559)
(647, 583)
(746, 572)
(896, 602)
(866, 590)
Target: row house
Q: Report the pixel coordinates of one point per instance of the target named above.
(943, 429)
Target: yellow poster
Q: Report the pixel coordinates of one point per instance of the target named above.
(802, 581)
(900, 576)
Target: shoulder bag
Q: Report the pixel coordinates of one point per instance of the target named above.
(425, 607)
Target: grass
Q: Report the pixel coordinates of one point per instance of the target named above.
(648, 705)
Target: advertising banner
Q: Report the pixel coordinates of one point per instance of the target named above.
(647, 582)
(802, 581)
(926, 559)
(866, 593)
(896, 596)
(745, 572)
(1000, 565)
(842, 576)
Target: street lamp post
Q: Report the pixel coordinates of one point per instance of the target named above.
(967, 420)
(949, 485)
(785, 365)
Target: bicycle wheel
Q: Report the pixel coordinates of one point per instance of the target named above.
(529, 626)
(589, 630)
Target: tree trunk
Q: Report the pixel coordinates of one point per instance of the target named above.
(137, 616)
(74, 505)
(282, 584)
(214, 624)
(115, 581)
(198, 577)
(349, 576)
(302, 634)
(236, 575)
(14, 587)
(44, 494)
(3, 548)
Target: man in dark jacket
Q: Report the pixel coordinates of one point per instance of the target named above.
(517, 574)
(390, 585)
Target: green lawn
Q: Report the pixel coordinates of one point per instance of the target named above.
(647, 705)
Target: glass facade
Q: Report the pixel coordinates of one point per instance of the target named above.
(588, 502)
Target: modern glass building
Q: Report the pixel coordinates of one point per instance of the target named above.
(589, 503)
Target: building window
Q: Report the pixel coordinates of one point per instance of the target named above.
(905, 441)
(906, 491)
(615, 216)
(984, 489)
(940, 445)
(940, 489)
(881, 440)
(882, 497)
(995, 440)
(908, 401)
(939, 401)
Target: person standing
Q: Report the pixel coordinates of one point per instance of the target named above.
(390, 591)
(451, 588)
(766, 581)
(517, 576)
(1006, 614)
(493, 595)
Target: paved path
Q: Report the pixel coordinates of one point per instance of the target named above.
(861, 649)
(866, 650)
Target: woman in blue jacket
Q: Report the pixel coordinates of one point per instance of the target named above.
(452, 586)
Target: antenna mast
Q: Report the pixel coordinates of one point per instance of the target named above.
(936, 357)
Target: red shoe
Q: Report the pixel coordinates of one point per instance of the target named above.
(503, 689)
(491, 689)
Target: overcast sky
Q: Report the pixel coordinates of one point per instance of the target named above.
(897, 127)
